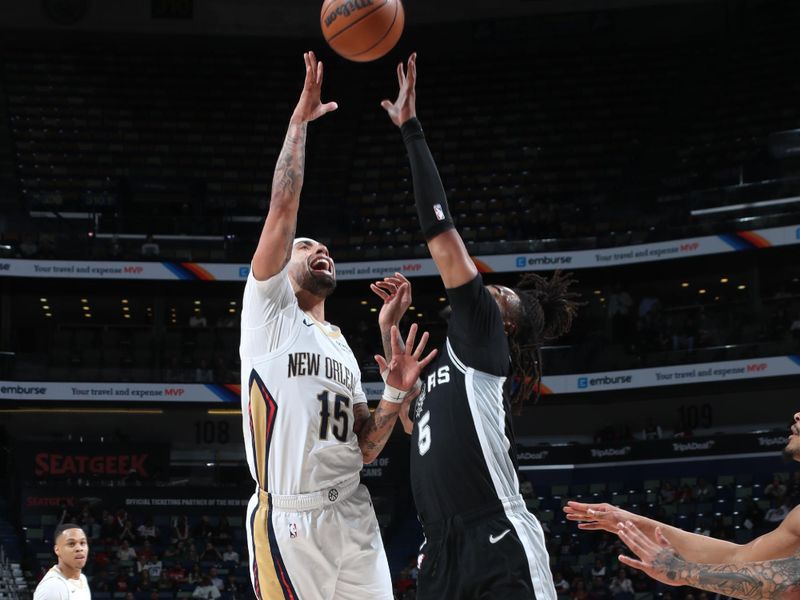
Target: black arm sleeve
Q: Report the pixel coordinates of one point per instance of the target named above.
(476, 329)
(432, 210)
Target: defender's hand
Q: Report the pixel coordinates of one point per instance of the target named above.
(395, 291)
(405, 107)
(406, 364)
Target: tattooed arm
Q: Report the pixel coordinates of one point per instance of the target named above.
(776, 579)
(275, 244)
(373, 430)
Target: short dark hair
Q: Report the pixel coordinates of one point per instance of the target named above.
(63, 527)
(547, 310)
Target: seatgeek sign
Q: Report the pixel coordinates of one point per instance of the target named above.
(501, 263)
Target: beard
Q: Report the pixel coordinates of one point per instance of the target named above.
(791, 453)
(319, 285)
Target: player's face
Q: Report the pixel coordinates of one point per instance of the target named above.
(792, 449)
(509, 303)
(72, 548)
(311, 267)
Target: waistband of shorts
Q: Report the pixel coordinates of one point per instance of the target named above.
(461, 521)
(314, 500)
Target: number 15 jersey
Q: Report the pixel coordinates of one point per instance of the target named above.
(300, 382)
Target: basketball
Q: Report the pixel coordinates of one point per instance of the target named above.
(362, 30)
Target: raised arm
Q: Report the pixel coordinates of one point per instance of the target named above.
(445, 244)
(395, 291)
(275, 244)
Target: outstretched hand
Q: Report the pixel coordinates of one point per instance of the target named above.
(597, 517)
(405, 107)
(406, 364)
(395, 291)
(657, 559)
(310, 106)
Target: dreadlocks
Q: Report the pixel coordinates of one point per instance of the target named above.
(547, 309)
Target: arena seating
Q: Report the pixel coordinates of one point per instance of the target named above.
(618, 152)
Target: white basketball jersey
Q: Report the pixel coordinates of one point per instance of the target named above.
(300, 382)
(54, 586)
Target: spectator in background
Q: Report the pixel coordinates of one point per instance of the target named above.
(684, 494)
(203, 373)
(778, 512)
(198, 319)
(224, 532)
(108, 528)
(580, 592)
(210, 554)
(651, 431)
(621, 587)
(150, 247)
(203, 529)
(195, 575)
(146, 553)
(125, 551)
(175, 373)
(64, 513)
(794, 328)
(145, 584)
(793, 489)
(206, 590)
(619, 312)
(126, 533)
(115, 247)
(124, 582)
(176, 574)
(230, 555)
(562, 585)
(147, 530)
(599, 568)
(776, 489)
(180, 530)
(216, 579)
(598, 589)
(234, 589)
(28, 248)
(154, 567)
(703, 491)
(667, 493)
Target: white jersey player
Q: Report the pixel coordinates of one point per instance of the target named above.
(312, 532)
(65, 581)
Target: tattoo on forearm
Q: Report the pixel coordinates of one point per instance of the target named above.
(386, 340)
(377, 429)
(772, 579)
(290, 169)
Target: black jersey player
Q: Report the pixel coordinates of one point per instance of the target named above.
(480, 541)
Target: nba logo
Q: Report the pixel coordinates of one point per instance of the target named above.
(437, 209)
(292, 530)
(521, 262)
(420, 558)
(583, 383)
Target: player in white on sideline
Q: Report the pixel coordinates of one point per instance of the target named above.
(312, 531)
(65, 581)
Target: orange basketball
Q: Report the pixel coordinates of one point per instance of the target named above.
(362, 30)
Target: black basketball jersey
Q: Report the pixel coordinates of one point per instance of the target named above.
(462, 447)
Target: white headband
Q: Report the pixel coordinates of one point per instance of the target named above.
(304, 239)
